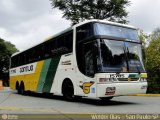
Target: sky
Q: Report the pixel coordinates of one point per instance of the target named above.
(28, 22)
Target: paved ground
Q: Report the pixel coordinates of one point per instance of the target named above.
(12, 103)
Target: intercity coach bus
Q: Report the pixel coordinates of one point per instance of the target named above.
(95, 59)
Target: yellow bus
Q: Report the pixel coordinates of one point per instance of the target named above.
(95, 59)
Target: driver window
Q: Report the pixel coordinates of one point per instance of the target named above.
(84, 32)
(88, 59)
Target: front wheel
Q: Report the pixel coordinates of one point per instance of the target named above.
(106, 98)
(68, 90)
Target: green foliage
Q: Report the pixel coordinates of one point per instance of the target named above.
(153, 62)
(143, 37)
(80, 10)
(6, 50)
(153, 56)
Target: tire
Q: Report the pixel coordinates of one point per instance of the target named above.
(17, 87)
(68, 90)
(21, 89)
(106, 98)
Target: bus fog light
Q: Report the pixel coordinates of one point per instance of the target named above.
(143, 79)
(144, 87)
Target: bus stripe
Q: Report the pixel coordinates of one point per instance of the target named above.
(51, 74)
(43, 75)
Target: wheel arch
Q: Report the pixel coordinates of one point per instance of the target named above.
(17, 85)
(22, 84)
(64, 81)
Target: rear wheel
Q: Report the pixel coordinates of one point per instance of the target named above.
(68, 90)
(17, 87)
(21, 89)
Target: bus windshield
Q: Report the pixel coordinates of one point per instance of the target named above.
(116, 31)
(119, 56)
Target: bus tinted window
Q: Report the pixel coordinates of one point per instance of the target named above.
(84, 32)
(116, 31)
(60, 45)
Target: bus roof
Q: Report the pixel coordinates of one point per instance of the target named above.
(79, 24)
(106, 22)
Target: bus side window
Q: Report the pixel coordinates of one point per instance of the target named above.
(30, 56)
(69, 41)
(13, 62)
(88, 59)
(47, 49)
(84, 32)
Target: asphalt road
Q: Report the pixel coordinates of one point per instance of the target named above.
(13, 103)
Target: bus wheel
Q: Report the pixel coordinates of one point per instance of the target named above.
(68, 90)
(106, 98)
(21, 88)
(18, 87)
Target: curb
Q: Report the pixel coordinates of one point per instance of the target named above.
(146, 95)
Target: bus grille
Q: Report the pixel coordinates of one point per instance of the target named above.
(128, 79)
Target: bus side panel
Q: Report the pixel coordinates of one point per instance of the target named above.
(29, 77)
(67, 70)
(64, 70)
(51, 74)
(31, 80)
(43, 75)
(14, 79)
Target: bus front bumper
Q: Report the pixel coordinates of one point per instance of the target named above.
(118, 89)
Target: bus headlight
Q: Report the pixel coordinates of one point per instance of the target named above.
(104, 80)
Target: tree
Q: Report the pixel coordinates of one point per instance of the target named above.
(6, 50)
(153, 53)
(153, 62)
(80, 10)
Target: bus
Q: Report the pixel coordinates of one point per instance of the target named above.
(94, 59)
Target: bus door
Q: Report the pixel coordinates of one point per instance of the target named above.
(89, 85)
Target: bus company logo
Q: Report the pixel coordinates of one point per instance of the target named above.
(86, 87)
(4, 117)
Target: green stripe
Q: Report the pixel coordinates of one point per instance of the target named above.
(43, 75)
(51, 74)
(134, 76)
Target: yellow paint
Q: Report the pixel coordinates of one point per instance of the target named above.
(129, 79)
(30, 80)
(143, 75)
(86, 87)
(49, 38)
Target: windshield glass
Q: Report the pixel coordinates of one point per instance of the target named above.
(116, 31)
(119, 56)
